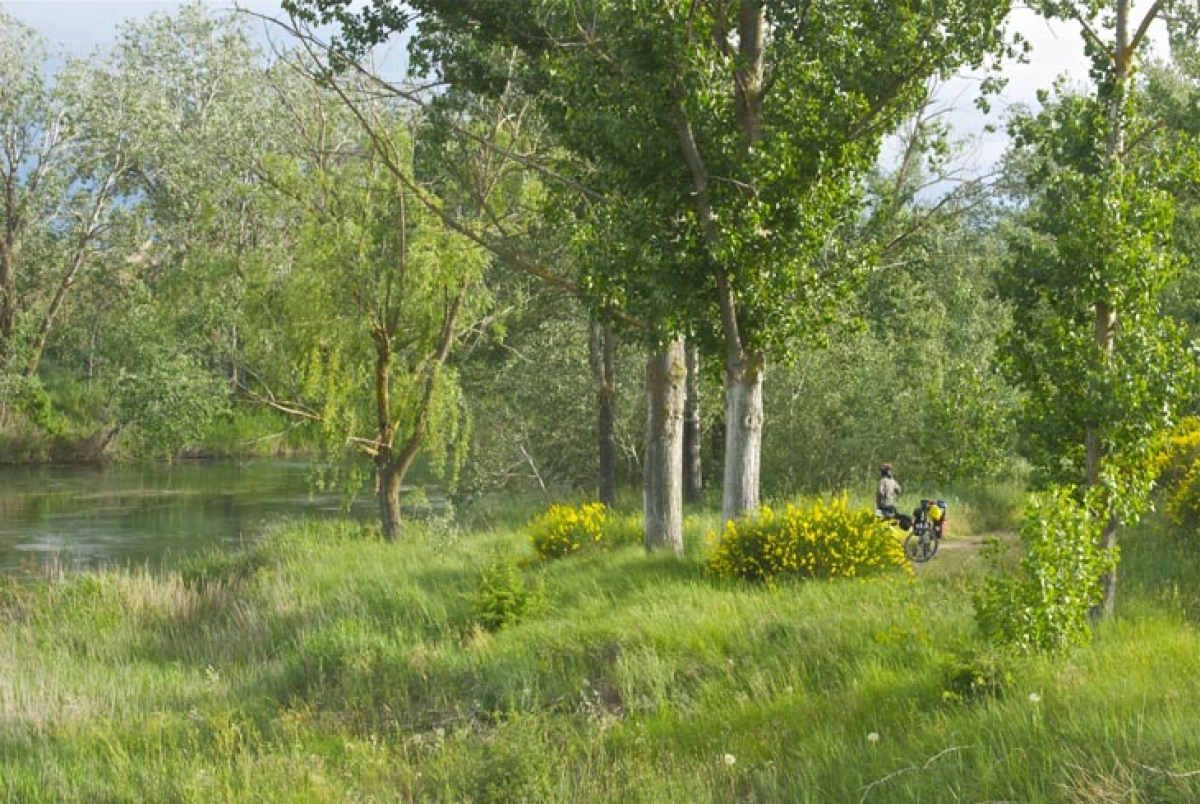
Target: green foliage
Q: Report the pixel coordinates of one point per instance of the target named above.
(29, 397)
(1102, 367)
(934, 411)
(728, 144)
(1052, 349)
(502, 598)
(379, 295)
(619, 107)
(977, 675)
(36, 169)
(1043, 603)
(532, 399)
(1178, 467)
(823, 539)
(168, 404)
(916, 383)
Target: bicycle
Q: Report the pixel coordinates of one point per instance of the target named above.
(925, 529)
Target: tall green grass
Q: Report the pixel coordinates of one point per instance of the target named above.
(326, 665)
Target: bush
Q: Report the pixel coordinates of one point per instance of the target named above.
(502, 598)
(824, 539)
(976, 676)
(563, 530)
(1179, 473)
(1043, 603)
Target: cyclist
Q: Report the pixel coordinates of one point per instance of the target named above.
(887, 491)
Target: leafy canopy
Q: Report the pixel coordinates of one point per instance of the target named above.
(623, 86)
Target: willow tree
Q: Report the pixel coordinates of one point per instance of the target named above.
(729, 138)
(1090, 346)
(359, 321)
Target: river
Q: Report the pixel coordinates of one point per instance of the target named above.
(72, 518)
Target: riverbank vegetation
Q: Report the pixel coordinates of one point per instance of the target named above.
(328, 665)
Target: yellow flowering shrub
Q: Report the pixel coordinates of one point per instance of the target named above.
(820, 539)
(563, 529)
(1179, 472)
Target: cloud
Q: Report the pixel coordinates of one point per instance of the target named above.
(1056, 51)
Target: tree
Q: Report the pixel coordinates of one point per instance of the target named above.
(909, 377)
(531, 385)
(1089, 344)
(1172, 96)
(171, 113)
(377, 292)
(33, 136)
(666, 378)
(602, 349)
(727, 141)
(181, 96)
(60, 193)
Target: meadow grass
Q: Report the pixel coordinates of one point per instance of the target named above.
(325, 665)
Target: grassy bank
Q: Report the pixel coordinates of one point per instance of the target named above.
(326, 666)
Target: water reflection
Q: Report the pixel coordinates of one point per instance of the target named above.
(80, 518)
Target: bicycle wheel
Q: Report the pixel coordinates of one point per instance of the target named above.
(920, 547)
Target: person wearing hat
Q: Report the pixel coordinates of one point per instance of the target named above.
(887, 491)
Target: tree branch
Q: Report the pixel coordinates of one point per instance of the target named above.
(311, 43)
(1144, 27)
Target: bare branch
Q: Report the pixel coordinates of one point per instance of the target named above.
(910, 769)
(1090, 33)
(1169, 774)
(416, 96)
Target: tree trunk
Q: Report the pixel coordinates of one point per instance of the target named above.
(388, 480)
(666, 378)
(602, 351)
(47, 324)
(693, 474)
(1105, 315)
(79, 255)
(393, 461)
(8, 297)
(743, 433)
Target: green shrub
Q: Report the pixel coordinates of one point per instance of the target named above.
(502, 598)
(1042, 603)
(976, 676)
(1179, 473)
(823, 539)
(563, 529)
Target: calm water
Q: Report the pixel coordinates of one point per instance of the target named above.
(83, 517)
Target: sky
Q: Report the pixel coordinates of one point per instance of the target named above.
(80, 26)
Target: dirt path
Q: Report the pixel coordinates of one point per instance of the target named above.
(972, 543)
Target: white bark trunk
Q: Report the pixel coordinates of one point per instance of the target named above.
(666, 376)
(743, 435)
